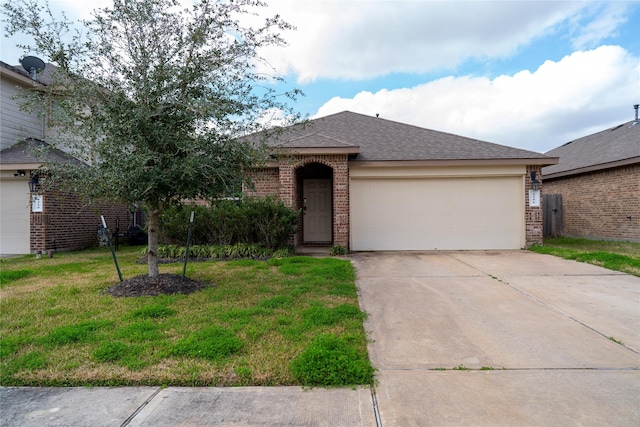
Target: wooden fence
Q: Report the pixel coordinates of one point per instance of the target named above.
(552, 215)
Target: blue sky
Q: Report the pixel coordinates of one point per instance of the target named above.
(528, 74)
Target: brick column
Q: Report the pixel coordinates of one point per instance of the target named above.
(286, 192)
(341, 203)
(532, 215)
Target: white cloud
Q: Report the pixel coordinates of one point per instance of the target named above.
(365, 39)
(602, 21)
(583, 93)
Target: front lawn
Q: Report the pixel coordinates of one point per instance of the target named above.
(619, 256)
(289, 321)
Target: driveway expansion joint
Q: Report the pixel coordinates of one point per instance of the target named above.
(141, 407)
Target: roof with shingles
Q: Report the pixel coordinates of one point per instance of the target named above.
(612, 147)
(33, 151)
(44, 77)
(378, 139)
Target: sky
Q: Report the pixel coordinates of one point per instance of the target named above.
(527, 74)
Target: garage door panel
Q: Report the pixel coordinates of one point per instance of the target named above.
(451, 213)
(14, 217)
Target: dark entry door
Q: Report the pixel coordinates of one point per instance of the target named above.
(316, 222)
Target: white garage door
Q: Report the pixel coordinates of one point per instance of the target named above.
(14, 217)
(437, 213)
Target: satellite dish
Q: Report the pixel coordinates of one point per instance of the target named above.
(33, 65)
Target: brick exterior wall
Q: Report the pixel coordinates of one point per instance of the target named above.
(532, 215)
(281, 181)
(66, 224)
(597, 205)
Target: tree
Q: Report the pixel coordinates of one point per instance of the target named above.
(152, 97)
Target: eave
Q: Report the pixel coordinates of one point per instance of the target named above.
(19, 166)
(455, 162)
(593, 168)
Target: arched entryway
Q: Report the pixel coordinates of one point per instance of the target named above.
(314, 182)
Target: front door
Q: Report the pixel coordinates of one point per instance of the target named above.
(316, 214)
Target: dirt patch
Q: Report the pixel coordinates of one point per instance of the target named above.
(164, 284)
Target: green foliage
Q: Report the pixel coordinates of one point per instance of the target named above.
(80, 332)
(338, 250)
(9, 276)
(154, 114)
(235, 251)
(110, 351)
(10, 346)
(28, 362)
(281, 301)
(140, 331)
(619, 256)
(153, 312)
(616, 341)
(258, 224)
(212, 343)
(332, 361)
(317, 314)
(283, 252)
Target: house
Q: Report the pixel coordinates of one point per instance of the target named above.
(366, 183)
(32, 220)
(598, 178)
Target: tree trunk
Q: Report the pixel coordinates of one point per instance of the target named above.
(152, 253)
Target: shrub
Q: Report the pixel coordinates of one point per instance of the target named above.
(273, 223)
(338, 250)
(265, 222)
(332, 361)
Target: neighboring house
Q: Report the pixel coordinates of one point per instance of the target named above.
(367, 183)
(56, 221)
(598, 177)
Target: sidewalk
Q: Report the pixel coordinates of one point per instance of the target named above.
(183, 406)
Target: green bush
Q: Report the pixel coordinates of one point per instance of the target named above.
(264, 222)
(332, 361)
(338, 250)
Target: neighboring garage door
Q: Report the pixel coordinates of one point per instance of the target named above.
(14, 217)
(437, 213)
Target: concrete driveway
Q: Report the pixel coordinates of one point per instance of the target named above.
(501, 338)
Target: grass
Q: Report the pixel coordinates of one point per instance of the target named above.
(289, 321)
(619, 256)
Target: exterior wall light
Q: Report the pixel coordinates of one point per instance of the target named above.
(535, 182)
(33, 183)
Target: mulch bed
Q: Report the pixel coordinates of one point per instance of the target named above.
(164, 284)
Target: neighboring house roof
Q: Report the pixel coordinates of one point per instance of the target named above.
(30, 154)
(374, 139)
(617, 146)
(43, 77)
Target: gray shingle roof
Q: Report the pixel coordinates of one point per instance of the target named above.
(608, 148)
(33, 151)
(385, 140)
(44, 77)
